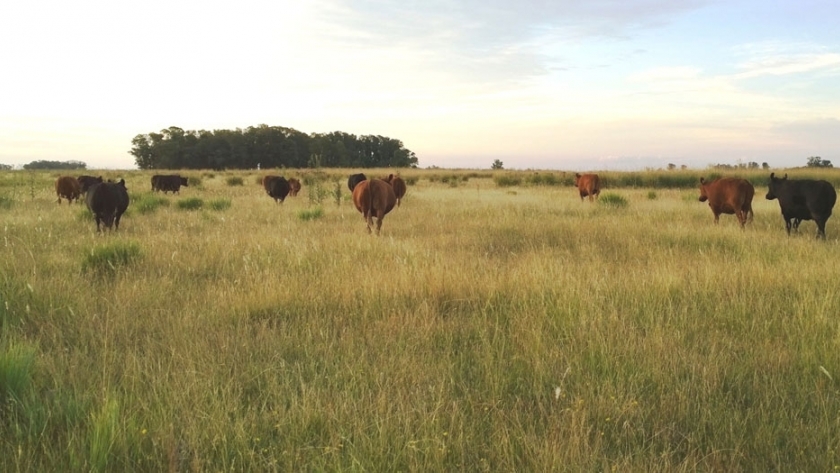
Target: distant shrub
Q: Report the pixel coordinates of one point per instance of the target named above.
(234, 181)
(6, 202)
(507, 180)
(219, 204)
(149, 203)
(410, 181)
(209, 175)
(107, 258)
(311, 214)
(194, 181)
(191, 203)
(612, 200)
(651, 195)
(543, 179)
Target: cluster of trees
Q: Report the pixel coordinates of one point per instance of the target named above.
(266, 146)
(818, 162)
(749, 165)
(5, 167)
(63, 165)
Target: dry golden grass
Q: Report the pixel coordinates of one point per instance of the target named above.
(487, 329)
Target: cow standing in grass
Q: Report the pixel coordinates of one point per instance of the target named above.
(588, 185)
(169, 183)
(728, 195)
(803, 199)
(69, 188)
(374, 198)
(399, 186)
(277, 187)
(107, 201)
(294, 187)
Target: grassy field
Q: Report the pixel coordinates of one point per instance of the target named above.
(489, 328)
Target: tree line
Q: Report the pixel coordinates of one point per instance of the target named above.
(267, 147)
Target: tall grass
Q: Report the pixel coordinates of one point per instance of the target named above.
(485, 330)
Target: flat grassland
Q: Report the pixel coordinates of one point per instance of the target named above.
(489, 328)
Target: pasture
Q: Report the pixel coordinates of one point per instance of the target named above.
(488, 328)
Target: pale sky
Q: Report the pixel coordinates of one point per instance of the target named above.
(562, 84)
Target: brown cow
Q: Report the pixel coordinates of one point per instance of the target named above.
(588, 185)
(399, 186)
(69, 188)
(374, 198)
(294, 186)
(729, 195)
(266, 182)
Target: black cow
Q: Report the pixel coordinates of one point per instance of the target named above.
(278, 188)
(803, 199)
(168, 183)
(107, 201)
(355, 179)
(87, 181)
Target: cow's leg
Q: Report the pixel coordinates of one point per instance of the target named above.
(787, 225)
(820, 228)
(369, 220)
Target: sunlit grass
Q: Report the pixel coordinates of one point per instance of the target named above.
(484, 330)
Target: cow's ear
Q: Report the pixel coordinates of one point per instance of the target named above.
(772, 175)
(785, 176)
(577, 174)
(702, 180)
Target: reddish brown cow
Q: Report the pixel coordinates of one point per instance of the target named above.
(399, 186)
(374, 198)
(728, 195)
(294, 186)
(69, 188)
(588, 185)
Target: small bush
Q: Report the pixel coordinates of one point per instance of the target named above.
(312, 214)
(612, 200)
(410, 181)
(149, 203)
(209, 175)
(507, 180)
(651, 195)
(194, 181)
(234, 181)
(107, 258)
(191, 203)
(219, 204)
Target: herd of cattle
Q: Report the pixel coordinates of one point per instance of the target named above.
(799, 199)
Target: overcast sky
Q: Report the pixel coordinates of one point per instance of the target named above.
(560, 84)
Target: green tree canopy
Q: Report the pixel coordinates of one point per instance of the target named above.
(267, 147)
(818, 162)
(63, 165)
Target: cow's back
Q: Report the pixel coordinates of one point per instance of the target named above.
(588, 185)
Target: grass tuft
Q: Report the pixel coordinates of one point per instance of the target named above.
(149, 203)
(311, 214)
(234, 181)
(17, 360)
(108, 258)
(191, 203)
(613, 200)
(219, 204)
